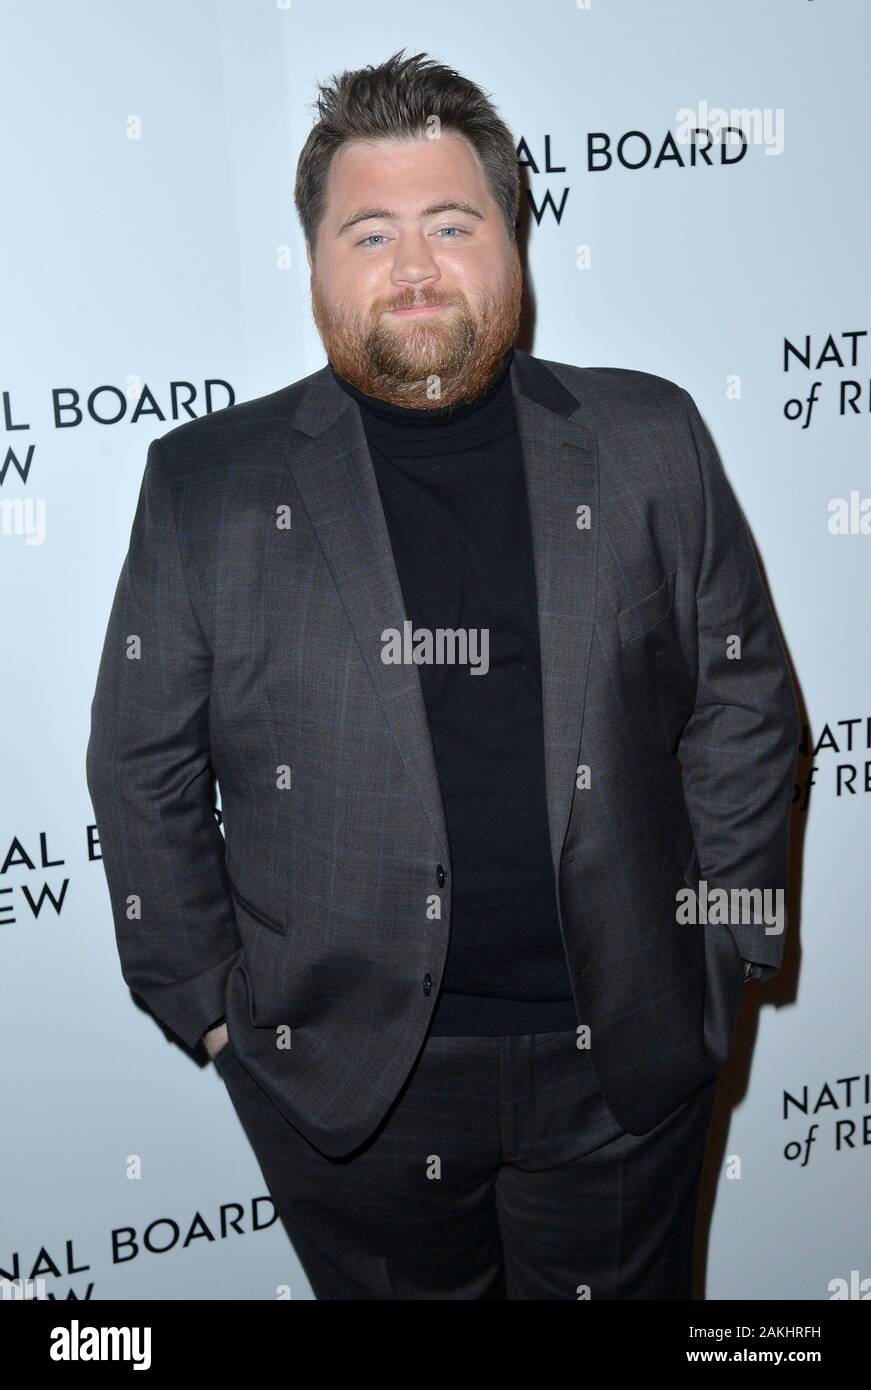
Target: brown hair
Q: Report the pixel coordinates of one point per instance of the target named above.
(397, 100)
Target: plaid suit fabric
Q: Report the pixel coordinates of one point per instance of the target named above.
(244, 644)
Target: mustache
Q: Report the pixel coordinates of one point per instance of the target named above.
(412, 301)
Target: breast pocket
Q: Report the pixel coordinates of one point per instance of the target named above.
(647, 612)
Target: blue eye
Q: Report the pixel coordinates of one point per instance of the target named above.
(374, 237)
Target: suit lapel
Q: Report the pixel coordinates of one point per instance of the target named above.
(561, 465)
(336, 480)
(335, 477)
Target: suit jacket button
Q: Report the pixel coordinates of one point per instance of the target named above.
(440, 875)
(427, 984)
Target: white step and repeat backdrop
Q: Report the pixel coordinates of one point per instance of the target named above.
(153, 266)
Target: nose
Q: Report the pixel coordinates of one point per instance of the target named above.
(414, 265)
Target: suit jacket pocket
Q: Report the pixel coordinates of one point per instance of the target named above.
(221, 1056)
(647, 612)
(257, 913)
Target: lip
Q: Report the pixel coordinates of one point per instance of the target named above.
(421, 309)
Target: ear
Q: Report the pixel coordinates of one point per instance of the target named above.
(308, 256)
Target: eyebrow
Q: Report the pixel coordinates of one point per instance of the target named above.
(370, 214)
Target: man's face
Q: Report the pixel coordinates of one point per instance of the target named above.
(416, 285)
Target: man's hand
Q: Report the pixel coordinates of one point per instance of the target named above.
(215, 1039)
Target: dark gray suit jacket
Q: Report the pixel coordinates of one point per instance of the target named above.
(258, 662)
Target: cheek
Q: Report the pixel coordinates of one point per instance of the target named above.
(476, 270)
(348, 285)
(367, 285)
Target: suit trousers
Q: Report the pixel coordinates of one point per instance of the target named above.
(499, 1172)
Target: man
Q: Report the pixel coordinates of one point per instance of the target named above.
(477, 649)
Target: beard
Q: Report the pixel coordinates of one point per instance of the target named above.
(423, 363)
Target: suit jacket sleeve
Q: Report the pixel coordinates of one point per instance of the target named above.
(150, 779)
(739, 748)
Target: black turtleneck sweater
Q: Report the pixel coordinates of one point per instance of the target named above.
(453, 489)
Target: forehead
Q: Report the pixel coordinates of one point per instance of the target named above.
(407, 172)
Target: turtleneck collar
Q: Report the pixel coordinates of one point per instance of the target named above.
(393, 419)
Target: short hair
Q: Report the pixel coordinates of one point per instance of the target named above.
(397, 100)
